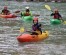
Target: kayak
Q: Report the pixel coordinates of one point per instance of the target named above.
(32, 38)
(27, 18)
(8, 16)
(55, 21)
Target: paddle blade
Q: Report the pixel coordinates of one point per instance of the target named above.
(36, 15)
(47, 7)
(17, 11)
(22, 29)
(47, 32)
(64, 22)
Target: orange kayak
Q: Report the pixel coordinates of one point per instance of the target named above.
(32, 38)
(8, 16)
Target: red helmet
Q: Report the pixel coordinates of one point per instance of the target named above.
(35, 19)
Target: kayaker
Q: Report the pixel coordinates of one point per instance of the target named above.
(27, 12)
(5, 11)
(36, 27)
(56, 14)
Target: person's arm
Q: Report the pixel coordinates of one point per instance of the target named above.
(21, 14)
(1, 11)
(52, 14)
(30, 13)
(40, 25)
(8, 12)
(61, 17)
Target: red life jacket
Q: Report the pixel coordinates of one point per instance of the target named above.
(56, 16)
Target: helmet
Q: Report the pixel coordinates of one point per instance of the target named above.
(27, 7)
(5, 7)
(35, 19)
(55, 9)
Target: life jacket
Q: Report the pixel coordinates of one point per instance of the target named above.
(36, 27)
(5, 12)
(27, 14)
(56, 16)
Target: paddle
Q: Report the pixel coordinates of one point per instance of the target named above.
(36, 15)
(23, 30)
(48, 7)
(17, 11)
(64, 22)
(21, 14)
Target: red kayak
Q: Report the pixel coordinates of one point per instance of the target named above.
(32, 38)
(8, 16)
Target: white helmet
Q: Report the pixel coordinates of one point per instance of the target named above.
(27, 7)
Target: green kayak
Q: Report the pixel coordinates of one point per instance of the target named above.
(27, 18)
(55, 21)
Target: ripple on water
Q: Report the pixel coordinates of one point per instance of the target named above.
(9, 30)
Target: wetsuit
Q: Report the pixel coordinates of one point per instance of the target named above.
(56, 15)
(36, 27)
(6, 12)
(27, 14)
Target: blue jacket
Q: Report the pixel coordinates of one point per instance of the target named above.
(36, 26)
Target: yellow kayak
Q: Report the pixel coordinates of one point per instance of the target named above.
(32, 38)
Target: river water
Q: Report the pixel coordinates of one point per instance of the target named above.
(9, 30)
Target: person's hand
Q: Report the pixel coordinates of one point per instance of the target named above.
(61, 19)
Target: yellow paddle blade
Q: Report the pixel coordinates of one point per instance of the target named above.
(21, 29)
(64, 22)
(47, 7)
(47, 32)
